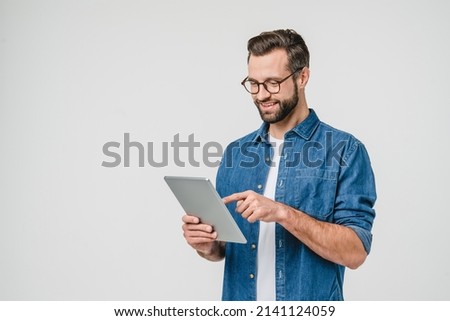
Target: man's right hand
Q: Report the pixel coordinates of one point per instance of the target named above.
(202, 238)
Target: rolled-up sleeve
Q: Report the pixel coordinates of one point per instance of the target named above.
(356, 193)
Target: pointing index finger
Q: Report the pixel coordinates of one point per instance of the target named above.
(235, 197)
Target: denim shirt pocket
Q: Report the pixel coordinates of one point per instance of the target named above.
(315, 192)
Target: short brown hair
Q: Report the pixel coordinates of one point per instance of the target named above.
(287, 39)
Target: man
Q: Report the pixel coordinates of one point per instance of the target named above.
(301, 191)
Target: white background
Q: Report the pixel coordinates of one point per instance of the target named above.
(75, 75)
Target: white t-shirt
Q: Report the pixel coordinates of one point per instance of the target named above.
(265, 276)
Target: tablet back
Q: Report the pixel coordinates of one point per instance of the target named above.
(198, 197)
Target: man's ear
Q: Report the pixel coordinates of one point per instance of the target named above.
(303, 78)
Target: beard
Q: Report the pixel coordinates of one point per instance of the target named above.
(285, 108)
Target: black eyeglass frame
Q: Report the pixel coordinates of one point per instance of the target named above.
(264, 83)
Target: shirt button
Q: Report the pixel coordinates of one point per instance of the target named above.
(260, 186)
(253, 246)
(251, 276)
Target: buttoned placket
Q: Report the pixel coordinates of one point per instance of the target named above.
(280, 254)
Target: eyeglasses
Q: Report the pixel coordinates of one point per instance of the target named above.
(272, 86)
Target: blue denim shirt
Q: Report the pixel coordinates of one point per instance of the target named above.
(323, 172)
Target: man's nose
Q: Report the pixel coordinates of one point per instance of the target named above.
(262, 94)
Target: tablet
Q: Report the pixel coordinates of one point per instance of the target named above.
(198, 197)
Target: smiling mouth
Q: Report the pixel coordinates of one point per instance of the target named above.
(267, 104)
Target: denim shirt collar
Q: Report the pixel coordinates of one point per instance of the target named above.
(304, 129)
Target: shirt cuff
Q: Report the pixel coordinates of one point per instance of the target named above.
(364, 235)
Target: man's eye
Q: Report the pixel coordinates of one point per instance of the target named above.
(272, 83)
